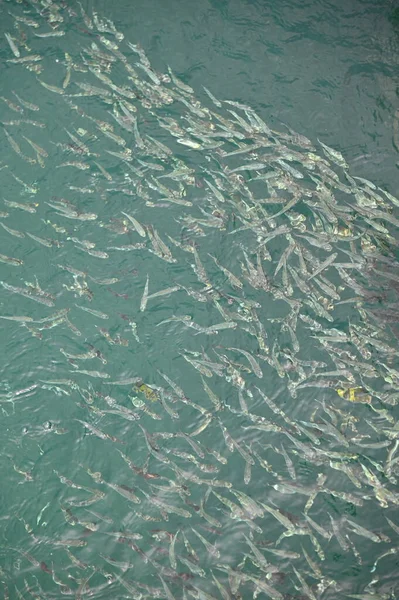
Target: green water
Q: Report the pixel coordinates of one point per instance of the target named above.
(328, 71)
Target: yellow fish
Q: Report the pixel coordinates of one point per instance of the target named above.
(147, 391)
(355, 394)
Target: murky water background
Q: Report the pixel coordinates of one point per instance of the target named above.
(329, 72)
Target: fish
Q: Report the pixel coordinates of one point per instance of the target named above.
(255, 366)
(169, 508)
(124, 491)
(9, 260)
(97, 432)
(362, 531)
(25, 59)
(144, 298)
(218, 327)
(172, 553)
(324, 265)
(36, 147)
(22, 319)
(29, 207)
(95, 313)
(305, 586)
(138, 227)
(334, 155)
(211, 549)
(212, 97)
(235, 282)
(164, 292)
(99, 374)
(13, 46)
(12, 232)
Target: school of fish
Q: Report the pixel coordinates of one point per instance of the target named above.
(280, 243)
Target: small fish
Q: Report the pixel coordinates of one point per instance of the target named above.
(255, 366)
(164, 292)
(213, 551)
(68, 74)
(124, 491)
(36, 147)
(202, 426)
(190, 143)
(99, 374)
(336, 530)
(234, 281)
(9, 260)
(27, 121)
(144, 298)
(51, 88)
(95, 313)
(138, 227)
(13, 143)
(363, 532)
(55, 33)
(24, 59)
(74, 163)
(13, 232)
(172, 553)
(180, 84)
(98, 433)
(289, 463)
(106, 281)
(27, 207)
(323, 266)
(20, 319)
(30, 189)
(12, 45)
(212, 97)
(305, 587)
(74, 543)
(34, 561)
(26, 21)
(334, 155)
